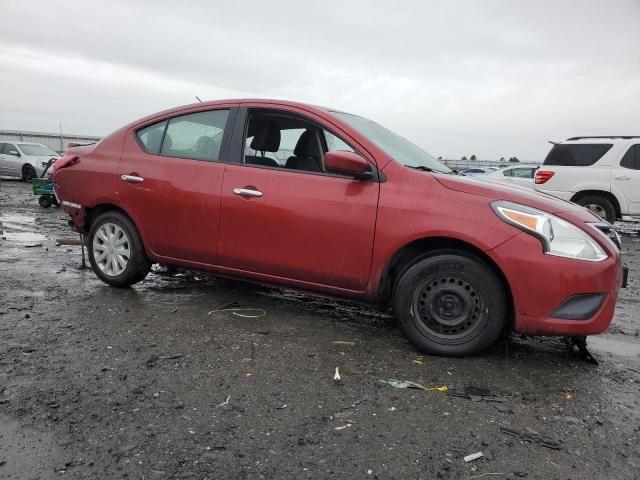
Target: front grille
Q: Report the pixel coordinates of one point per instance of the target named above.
(610, 233)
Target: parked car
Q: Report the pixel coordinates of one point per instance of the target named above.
(356, 211)
(600, 173)
(25, 160)
(522, 175)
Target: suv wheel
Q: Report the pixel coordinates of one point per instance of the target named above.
(115, 250)
(600, 206)
(28, 173)
(450, 303)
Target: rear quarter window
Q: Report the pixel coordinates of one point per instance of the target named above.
(576, 155)
(151, 137)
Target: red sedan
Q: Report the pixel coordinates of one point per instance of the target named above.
(302, 196)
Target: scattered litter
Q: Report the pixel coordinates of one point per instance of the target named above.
(342, 342)
(173, 356)
(488, 474)
(226, 402)
(392, 409)
(248, 374)
(336, 375)
(282, 407)
(417, 362)
(258, 312)
(408, 384)
(568, 395)
(473, 456)
(532, 438)
(476, 394)
(343, 427)
(68, 241)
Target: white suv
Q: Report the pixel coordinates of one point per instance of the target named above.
(600, 173)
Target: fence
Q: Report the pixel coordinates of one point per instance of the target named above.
(59, 142)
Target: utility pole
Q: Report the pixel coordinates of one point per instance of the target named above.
(61, 139)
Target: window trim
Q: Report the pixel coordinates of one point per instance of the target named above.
(223, 154)
(239, 139)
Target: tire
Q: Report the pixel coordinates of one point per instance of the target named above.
(28, 173)
(601, 206)
(45, 202)
(450, 303)
(112, 233)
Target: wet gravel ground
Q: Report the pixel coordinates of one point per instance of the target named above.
(152, 382)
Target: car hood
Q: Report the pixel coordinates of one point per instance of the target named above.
(502, 191)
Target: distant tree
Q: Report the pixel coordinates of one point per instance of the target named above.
(473, 157)
(514, 160)
(502, 159)
(439, 158)
(463, 158)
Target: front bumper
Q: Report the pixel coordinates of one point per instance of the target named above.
(541, 284)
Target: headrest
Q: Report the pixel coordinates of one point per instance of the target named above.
(267, 139)
(304, 146)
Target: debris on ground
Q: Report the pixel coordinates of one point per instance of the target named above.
(336, 375)
(417, 362)
(476, 394)
(530, 437)
(226, 402)
(256, 312)
(568, 395)
(409, 384)
(343, 342)
(579, 346)
(473, 456)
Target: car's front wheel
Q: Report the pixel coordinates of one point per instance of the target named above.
(28, 173)
(450, 303)
(116, 252)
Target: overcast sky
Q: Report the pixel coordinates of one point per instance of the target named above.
(491, 78)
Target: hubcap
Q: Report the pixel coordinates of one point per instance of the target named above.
(597, 209)
(111, 249)
(448, 308)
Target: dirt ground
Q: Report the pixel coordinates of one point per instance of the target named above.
(153, 382)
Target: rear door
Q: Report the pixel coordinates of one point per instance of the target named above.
(171, 175)
(283, 215)
(626, 178)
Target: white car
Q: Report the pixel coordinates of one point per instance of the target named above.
(600, 173)
(521, 175)
(25, 160)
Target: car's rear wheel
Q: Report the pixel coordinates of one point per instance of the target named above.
(450, 303)
(600, 206)
(28, 173)
(116, 252)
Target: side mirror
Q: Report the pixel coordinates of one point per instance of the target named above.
(15, 153)
(347, 163)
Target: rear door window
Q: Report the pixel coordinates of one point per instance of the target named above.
(631, 159)
(151, 137)
(576, 155)
(197, 135)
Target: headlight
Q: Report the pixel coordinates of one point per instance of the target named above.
(558, 236)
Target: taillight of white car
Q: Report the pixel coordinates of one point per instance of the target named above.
(543, 176)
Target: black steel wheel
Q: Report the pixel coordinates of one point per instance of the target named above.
(450, 304)
(28, 173)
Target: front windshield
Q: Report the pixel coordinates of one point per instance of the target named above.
(400, 149)
(35, 150)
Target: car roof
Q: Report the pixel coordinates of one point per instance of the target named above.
(599, 139)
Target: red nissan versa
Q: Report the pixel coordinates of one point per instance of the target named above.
(307, 197)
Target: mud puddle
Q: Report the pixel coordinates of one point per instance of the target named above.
(18, 229)
(614, 346)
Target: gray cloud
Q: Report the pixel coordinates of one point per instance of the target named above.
(494, 78)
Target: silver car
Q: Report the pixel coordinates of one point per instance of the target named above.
(25, 160)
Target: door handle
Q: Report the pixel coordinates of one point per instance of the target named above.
(247, 192)
(622, 177)
(132, 178)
